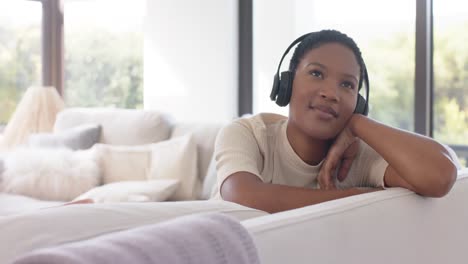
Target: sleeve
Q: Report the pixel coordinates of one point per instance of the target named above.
(367, 170)
(236, 149)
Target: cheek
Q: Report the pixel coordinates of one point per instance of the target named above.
(347, 110)
(348, 104)
(302, 90)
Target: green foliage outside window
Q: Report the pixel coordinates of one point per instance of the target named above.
(20, 66)
(104, 69)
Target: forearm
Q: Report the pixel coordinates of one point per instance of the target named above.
(421, 161)
(274, 198)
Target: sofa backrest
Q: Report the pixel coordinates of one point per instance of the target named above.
(139, 127)
(204, 135)
(119, 126)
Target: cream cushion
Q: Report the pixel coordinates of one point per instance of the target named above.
(124, 163)
(174, 159)
(132, 191)
(119, 126)
(177, 159)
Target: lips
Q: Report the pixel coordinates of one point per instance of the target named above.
(325, 109)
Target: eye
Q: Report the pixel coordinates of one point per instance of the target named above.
(316, 73)
(347, 84)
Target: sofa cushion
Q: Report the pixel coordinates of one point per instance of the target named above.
(50, 174)
(80, 137)
(132, 191)
(170, 159)
(177, 159)
(123, 163)
(119, 126)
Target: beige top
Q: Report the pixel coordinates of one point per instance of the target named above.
(259, 145)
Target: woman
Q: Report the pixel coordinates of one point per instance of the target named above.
(324, 150)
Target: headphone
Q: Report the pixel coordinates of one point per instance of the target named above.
(282, 87)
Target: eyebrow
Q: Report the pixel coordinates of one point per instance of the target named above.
(324, 67)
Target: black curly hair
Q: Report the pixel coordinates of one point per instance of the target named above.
(316, 39)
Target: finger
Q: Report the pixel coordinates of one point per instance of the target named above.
(331, 185)
(344, 169)
(84, 201)
(325, 175)
(322, 176)
(323, 184)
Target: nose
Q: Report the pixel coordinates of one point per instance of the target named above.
(328, 91)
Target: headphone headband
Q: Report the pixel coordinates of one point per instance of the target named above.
(299, 39)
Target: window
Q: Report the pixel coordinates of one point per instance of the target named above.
(20, 52)
(389, 49)
(451, 74)
(104, 53)
(387, 46)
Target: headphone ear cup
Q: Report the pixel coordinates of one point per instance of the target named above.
(275, 88)
(285, 88)
(361, 106)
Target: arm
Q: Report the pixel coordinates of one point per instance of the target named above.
(416, 162)
(247, 189)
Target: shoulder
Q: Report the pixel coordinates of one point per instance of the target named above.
(252, 128)
(260, 121)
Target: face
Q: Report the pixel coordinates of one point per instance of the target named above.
(325, 90)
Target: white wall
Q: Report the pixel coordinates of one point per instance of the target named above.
(190, 59)
(273, 30)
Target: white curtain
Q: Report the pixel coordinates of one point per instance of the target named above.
(35, 113)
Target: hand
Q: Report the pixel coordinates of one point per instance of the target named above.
(84, 201)
(344, 149)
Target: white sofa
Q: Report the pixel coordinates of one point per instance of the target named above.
(391, 226)
(129, 127)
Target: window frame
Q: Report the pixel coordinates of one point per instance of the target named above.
(52, 44)
(423, 79)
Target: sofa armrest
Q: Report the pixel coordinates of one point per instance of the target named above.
(390, 226)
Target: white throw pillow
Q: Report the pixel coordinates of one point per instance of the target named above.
(170, 159)
(132, 191)
(50, 174)
(177, 159)
(124, 163)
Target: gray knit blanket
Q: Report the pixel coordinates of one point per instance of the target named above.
(211, 238)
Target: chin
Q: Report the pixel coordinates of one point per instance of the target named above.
(322, 134)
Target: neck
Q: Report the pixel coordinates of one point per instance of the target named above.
(311, 150)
